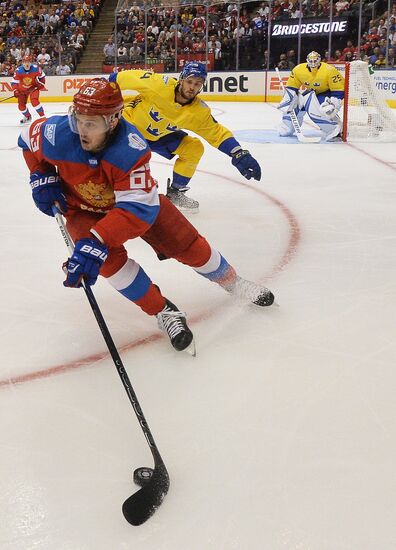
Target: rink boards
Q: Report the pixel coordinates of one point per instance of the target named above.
(232, 86)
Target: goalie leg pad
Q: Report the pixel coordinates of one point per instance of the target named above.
(289, 100)
(337, 126)
(286, 127)
(329, 126)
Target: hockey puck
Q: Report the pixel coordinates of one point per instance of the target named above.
(141, 476)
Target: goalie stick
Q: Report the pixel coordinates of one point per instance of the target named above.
(140, 506)
(297, 128)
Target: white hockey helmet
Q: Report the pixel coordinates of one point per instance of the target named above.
(313, 60)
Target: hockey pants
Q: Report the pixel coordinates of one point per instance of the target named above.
(188, 150)
(34, 100)
(170, 236)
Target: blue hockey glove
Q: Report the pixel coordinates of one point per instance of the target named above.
(46, 191)
(246, 164)
(86, 261)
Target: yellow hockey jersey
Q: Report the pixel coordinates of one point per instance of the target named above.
(155, 112)
(324, 79)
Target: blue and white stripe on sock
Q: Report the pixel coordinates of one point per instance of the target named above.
(131, 281)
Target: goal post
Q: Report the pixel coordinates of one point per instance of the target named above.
(366, 115)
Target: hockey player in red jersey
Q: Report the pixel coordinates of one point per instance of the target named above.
(94, 165)
(27, 81)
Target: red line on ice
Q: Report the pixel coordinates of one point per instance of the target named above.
(370, 155)
(287, 256)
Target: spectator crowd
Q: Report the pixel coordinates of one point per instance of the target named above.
(185, 31)
(54, 34)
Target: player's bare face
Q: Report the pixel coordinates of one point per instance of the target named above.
(189, 88)
(26, 65)
(92, 131)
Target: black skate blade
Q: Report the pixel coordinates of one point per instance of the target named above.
(140, 506)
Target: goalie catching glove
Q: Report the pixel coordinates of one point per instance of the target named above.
(289, 100)
(85, 262)
(331, 106)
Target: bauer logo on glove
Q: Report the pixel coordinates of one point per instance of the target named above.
(85, 263)
(47, 191)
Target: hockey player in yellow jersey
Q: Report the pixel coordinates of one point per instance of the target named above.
(164, 107)
(316, 89)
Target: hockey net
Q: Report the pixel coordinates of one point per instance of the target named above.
(367, 116)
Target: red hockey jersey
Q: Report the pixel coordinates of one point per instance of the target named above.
(28, 80)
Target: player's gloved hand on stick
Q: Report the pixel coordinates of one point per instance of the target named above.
(46, 191)
(86, 261)
(331, 106)
(289, 101)
(16, 92)
(246, 164)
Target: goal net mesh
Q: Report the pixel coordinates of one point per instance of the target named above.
(367, 116)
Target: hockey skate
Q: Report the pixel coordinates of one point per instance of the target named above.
(173, 323)
(180, 200)
(247, 290)
(26, 119)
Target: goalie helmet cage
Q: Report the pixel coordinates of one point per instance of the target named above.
(366, 116)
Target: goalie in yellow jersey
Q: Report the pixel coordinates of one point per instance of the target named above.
(320, 97)
(164, 107)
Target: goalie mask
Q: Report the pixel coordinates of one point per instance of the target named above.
(97, 97)
(313, 60)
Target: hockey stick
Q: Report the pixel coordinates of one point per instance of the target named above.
(297, 128)
(5, 99)
(154, 483)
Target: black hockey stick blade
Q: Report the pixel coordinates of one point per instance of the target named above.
(140, 506)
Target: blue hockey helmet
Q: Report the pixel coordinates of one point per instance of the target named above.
(194, 68)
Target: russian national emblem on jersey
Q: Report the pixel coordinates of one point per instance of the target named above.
(27, 81)
(100, 195)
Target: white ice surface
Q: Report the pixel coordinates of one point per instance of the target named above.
(280, 434)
